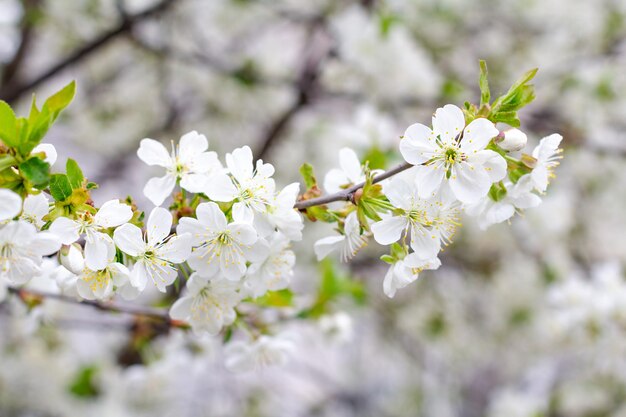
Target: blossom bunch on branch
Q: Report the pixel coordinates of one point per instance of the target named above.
(226, 235)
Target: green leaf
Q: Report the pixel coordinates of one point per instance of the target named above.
(74, 174)
(280, 298)
(60, 100)
(36, 171)
(6, 161)
(485, 94)
(83, 385)
(497, 191)
(60, 187)
(388, 259)
(309, 176)
(8, 125)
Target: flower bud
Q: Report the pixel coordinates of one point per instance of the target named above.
(514, 140)
(71, 257)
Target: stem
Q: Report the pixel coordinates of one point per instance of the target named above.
(159, 314)
(348, 194)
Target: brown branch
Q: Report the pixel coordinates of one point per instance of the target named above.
(141, 311)
(348, 194)
(12, 92)
(318, 48)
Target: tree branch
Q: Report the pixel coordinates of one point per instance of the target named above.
(348, 194)
(149, 312)
(12, 92)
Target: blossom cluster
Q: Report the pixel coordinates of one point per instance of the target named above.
(226, 235)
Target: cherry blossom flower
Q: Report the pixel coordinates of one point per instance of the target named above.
(519, 196)
(10, 204)
(188, 163)
(35, 208)
(274, 271)
(155, 253)
(48, 150)
(100, 284)
(430, 222)
(208, 305)
(219, 245)
(454, 154)
(261, 353)
(22, 249)
(405, 271)
(251, 186)
(547, 155)
(111, 214)
(282, 216)
(348, 244)
(350, 173)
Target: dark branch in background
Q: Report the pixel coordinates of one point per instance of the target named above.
(348, 194)
(148, 312)
(12, 92)
(11, 71)
(317, 49)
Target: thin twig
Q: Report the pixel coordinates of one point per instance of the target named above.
(11, 92)
(348, 194)
(155, 313)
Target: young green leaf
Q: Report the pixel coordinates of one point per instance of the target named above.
(8, 125)
(485, 94)
(60, 187)
(74, 174)
(309, 176)
(36, 171)
(60, 100)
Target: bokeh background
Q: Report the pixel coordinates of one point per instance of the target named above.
(526, 319)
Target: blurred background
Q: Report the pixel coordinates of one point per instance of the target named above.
(526, 319)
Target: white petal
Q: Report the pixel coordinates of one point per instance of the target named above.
(210, 215)
(547, 147)
(425, 243)
(243, 233)
(181, 309)
(232, 264)
(418, 144)
(192, 144)
(129, 239)
(469, 184)
(399, 193)
(335, 180)
(477, 135)
(98, 251)
(195, 183)
(493, 162)
(10, 204)
(389, 230)
(350, 164)
(177, 249)
(45, 243)
(326, 245)
(539, 176)
(66, 230)
(157, 189)
(448, 122)
(242, 213)
(239, 163)
(428, 180)
(153, 153)
(221, 188)
(159, 225)
(139, 276)
(112, 214)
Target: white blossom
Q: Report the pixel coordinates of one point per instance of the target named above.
(10, 204)
(282, 215)
(514, 140)
(348, 243)
(35, 208)
(274, 271)
(350, 173)
(219, 245)
(189, 163)
(519, 196)
(71, 257)
(21, 250)
(156, 252)
(453, 154)
(93, 227)
(208, 305)
(405, 271)
(251, 186)
(547, 155)
(261, 353)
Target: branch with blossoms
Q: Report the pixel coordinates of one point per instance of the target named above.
(227, 232)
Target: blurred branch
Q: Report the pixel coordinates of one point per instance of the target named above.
(148, 312)
(317, 49)
(12, 69)
(12, 92)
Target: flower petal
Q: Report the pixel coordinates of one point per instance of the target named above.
(239, 163)
(428, 180)
(389, 230)
(154, 153)
(210, 215)
(191, 144)
(326, 245)
(10, 204)
(158, 189)
(177, 249)
(221, 188)
(448, 122)
(469, 183)
(159, 225)
(418, 144)
(129, 239)
(350, 164)
(477, 135)
(66, 230)
(112, 214)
